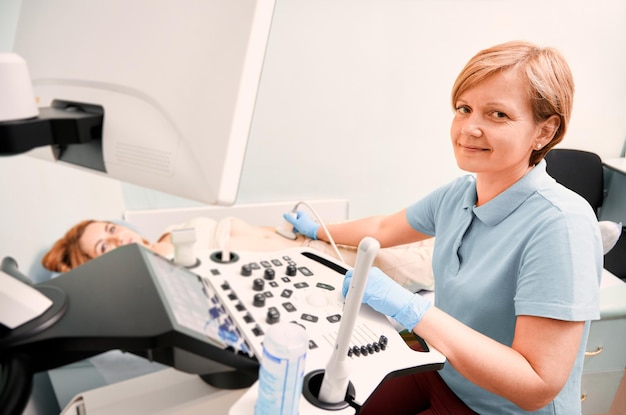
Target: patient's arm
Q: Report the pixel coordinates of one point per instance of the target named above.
(164, 248)
(409, 265)
(164, 245)
(247, 237)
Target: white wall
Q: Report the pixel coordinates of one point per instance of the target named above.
(354, 103)
(355, 93)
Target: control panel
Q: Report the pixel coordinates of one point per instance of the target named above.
(303, 286)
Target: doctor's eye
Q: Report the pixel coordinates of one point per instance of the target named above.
(462, 109)
(500, 115)
(112, 228)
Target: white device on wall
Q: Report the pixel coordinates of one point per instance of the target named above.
(17, 100)
(176, 82)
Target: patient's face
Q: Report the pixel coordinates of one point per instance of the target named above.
(102, 237)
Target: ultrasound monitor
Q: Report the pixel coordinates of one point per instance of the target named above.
(177, 82)
(193, 306)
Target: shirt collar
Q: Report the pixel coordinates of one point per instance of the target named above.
(497, 209)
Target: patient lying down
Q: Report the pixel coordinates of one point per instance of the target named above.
(409, 264)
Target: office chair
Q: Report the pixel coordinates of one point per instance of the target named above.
(580, 171)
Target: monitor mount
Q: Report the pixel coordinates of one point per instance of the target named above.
(69, 127)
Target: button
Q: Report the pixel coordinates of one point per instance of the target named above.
(383, 340)
(259, 300)
(335, 318)
(258, 284)
(273, 315)
(289, 307)
(269, 274)
(246, 270)
(309, 317)
(305, 271)
(277, 263)
(286, 293)
(300, 285)
(265, 264)
(325, 286)
(291, 270)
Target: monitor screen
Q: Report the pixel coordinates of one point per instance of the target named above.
(177, 81)
(193, 305)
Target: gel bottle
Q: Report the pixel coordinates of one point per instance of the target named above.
(282, 370)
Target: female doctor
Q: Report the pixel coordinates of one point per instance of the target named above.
(517, 258)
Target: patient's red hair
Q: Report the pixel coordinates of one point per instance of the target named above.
(66, 254)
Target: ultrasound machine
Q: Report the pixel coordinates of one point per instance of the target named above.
(210, 320)
(177, 122)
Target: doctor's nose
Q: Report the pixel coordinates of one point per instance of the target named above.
(471, 125)
(472, 129)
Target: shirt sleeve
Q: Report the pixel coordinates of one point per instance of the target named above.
(560, 271)
(424, 214)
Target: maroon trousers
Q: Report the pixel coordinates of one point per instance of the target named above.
(421, 393)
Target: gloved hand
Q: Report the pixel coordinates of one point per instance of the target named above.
(388, 297)
(303, 224)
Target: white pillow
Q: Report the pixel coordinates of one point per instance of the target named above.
(611, 232)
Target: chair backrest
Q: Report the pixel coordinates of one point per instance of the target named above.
(580, 171)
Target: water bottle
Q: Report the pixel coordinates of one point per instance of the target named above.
(282, 370)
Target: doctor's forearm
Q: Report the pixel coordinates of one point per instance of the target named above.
(389, 230)
(489, 364)
(348, 233)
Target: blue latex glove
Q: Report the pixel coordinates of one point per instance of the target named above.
(303, 224)
(390, 298)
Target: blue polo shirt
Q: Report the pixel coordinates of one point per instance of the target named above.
(535, 250)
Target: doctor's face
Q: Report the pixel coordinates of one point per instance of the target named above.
(493, 130)
(102, 237)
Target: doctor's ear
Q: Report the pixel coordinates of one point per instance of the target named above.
(549, 128)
